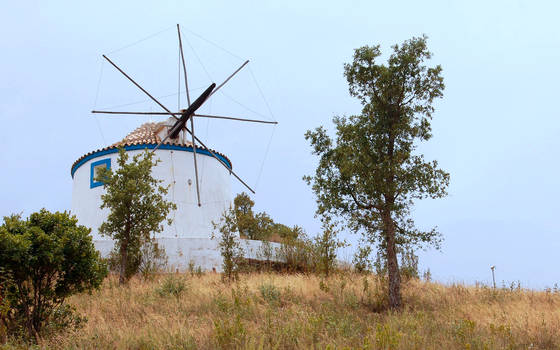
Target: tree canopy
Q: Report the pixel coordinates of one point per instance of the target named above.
(43, 260)
(259, 226)
(370, 174)
(137, 208)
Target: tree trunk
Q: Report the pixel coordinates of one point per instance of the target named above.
(124, 261)
(392, 264)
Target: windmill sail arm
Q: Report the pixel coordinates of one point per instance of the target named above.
(184, 65)
(186, 114)
(228, 78)
(138, 86)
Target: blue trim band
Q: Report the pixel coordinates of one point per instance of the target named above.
(147, 146)
(92, 182)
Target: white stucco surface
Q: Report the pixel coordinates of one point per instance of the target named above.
(189, 236)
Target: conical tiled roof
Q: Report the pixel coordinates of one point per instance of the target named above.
(148, 134)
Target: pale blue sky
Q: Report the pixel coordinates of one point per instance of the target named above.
(495, 130)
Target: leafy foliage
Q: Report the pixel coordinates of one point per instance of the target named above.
(325, 246)
(137, 209)
(369, 174)
(270, 293)
(151, 260)
(245, 218)
(297, 253)
(259, 226)
(172, 286)
(408, 266)
(362, 262)
(225, 231)
(45, 259)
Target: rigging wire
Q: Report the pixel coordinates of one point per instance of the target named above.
(213, 43)
(209, 101)
(244, 106)
(141, 40)
(205, 137)
(264, 157)
(197, 57)
(262, 94)
(273, 129)
(271, 115)
(148, 100)
(95, 102)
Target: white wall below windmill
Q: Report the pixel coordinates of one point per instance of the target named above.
(202, 252)
(188, 238)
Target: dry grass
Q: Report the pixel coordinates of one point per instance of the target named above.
(269, 311)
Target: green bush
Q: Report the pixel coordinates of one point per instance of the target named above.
(172, 286)
(325, 246)
(230, 333)
(147, 262)
(44, 260)
(297, 253)
(270, 293)
(361, 261)
(225, 232)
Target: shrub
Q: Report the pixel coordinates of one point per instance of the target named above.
(409, 263)
(44, 260)
(149, 260)
(172, 286)
(265, 252)
(225, 231)
(230, 333)
(297, 253)
(270, 293)
(153, 259)
(325, 246)
(362, 262)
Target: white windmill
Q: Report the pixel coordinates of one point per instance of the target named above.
(181, 152)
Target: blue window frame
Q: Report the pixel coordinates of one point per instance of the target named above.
(106, 163)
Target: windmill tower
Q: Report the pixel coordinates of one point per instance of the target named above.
(200, 201)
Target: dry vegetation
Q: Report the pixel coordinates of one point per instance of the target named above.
(269, 311)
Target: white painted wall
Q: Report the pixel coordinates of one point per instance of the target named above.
(202, 252)
(188, 237)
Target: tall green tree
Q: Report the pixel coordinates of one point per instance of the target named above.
(43, 260)
(259, 226)
(244, 216)
(137, 208)
(370, 174)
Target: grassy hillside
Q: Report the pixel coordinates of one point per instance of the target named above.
(265, 311)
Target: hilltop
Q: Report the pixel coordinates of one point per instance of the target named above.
(268, 310)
